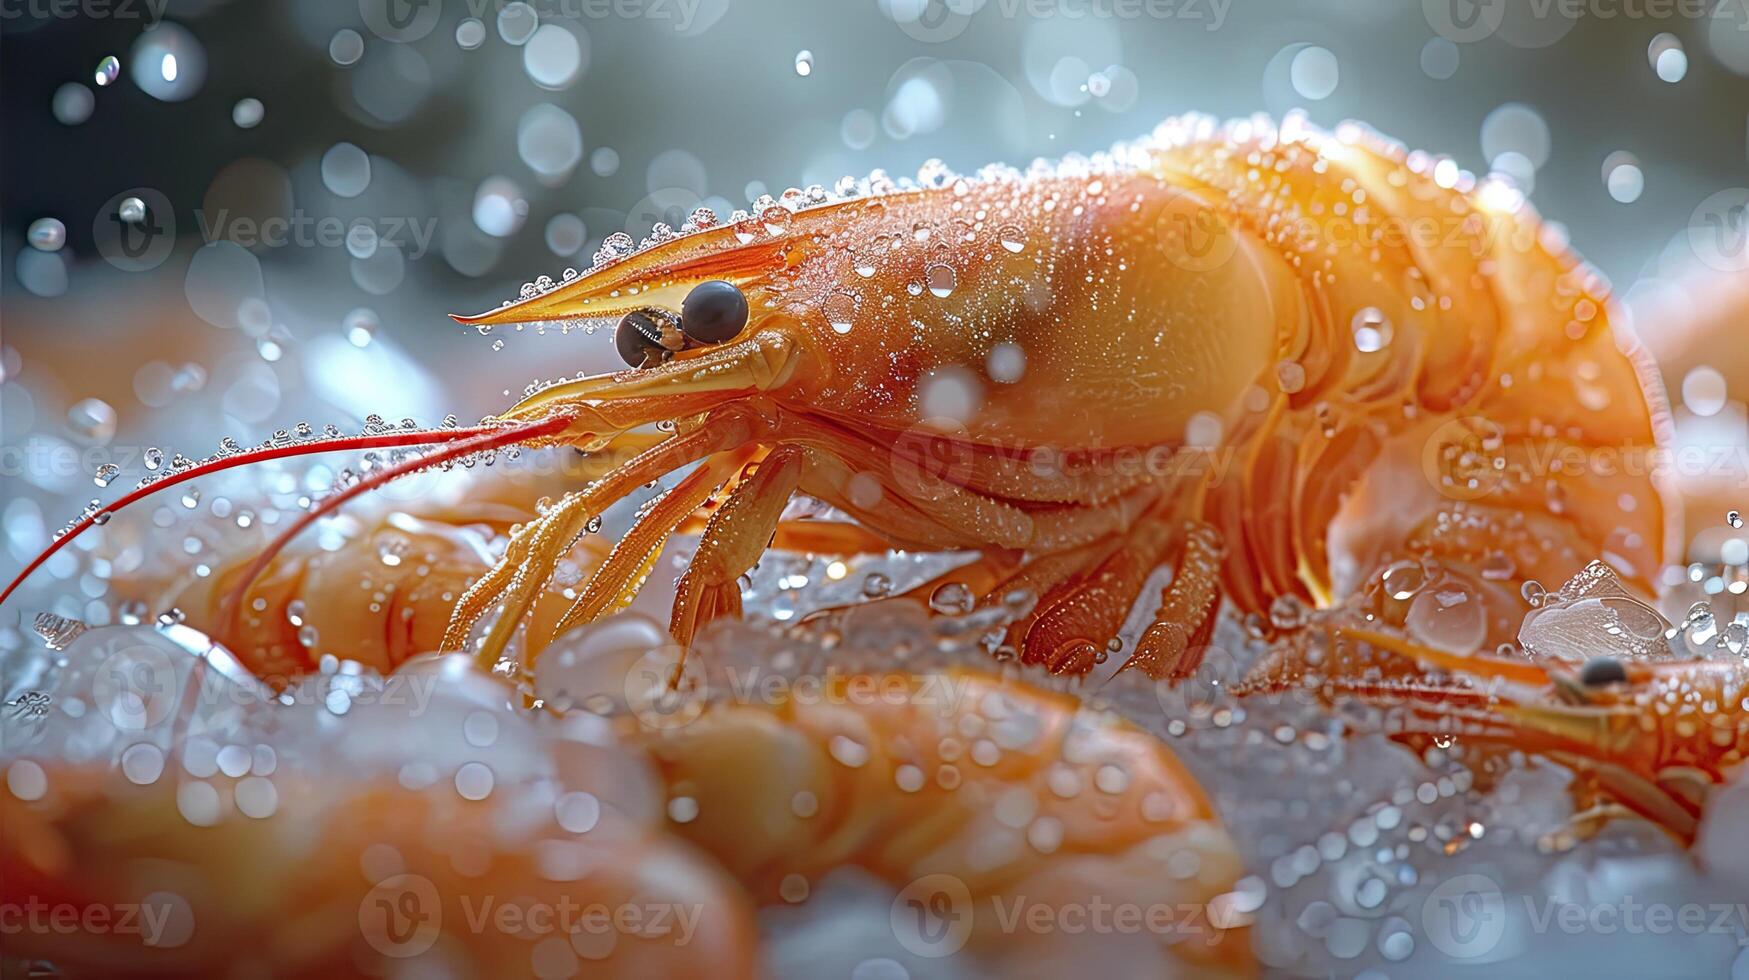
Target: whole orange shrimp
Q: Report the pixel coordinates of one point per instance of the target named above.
(1274, 359)
(979, 800)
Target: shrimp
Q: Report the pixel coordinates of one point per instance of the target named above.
(295, 893)
(381, 597)
(1272, 359)
(983, 801)
(1649, 717)
(370, 838)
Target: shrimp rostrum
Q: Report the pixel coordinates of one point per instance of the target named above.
(1273, 359)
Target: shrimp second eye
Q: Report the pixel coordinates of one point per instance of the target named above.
(648, 336)
(714, 312)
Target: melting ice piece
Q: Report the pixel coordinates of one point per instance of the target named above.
(58, 632)
(1594, 615)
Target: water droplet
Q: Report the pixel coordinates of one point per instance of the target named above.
(941, 281)
(1498, 566)
(804, 63)
(361, 325)
(775, 218)
(1012, 237)
(517, 22)
(1448, 617)
(840, 309)
(154, 458)
(1287, 612)
(1734, 519)
(47, 234)
(952, 599)
(876, 585)
(106, 474)
(248, 113)
(1668, 58)
(108, 70)
(1314, 72)
(131, 210)
(92, 419)
(1372, 331)
(470, 33)
(1623, 178)
(346, 47)
(1291, 376)
(1403, 579)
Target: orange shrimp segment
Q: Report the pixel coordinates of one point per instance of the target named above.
(1608, 719)
(1045, 801)
(343, 879)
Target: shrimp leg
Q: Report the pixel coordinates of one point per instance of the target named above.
(1063, 637)
(735, 537)
(553, 534)
(631, 558)
(1173, 643)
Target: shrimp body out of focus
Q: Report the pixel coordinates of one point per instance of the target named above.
(436, 824)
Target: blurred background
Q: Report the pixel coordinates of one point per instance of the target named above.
(220, 218)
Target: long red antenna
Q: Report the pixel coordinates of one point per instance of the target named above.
(403, 437)
(493, 439)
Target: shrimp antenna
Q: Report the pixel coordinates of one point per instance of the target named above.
(483, 441)
(477, 438)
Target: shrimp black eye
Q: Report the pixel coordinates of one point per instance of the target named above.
(713, 312)
(647, 336)
(1602, 671)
